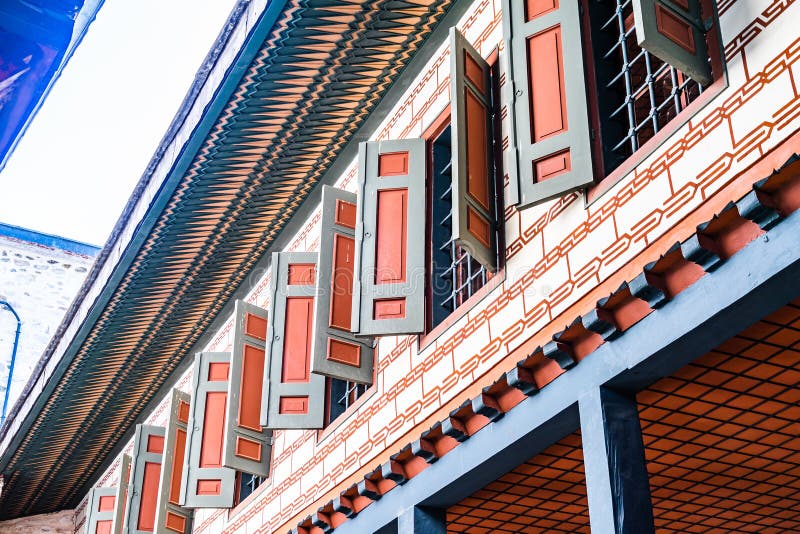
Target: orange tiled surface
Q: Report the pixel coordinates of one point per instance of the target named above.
(722, 436)
(545, 494)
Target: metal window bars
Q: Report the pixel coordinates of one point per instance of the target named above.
(248, 484)
(341, 395)
(649, 92)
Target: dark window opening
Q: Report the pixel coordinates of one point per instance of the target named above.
(637, 94)
(454, 275)
(246, 484)
(341, 394)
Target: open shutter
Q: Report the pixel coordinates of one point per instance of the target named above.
(100, 510)
(473, 190)
(337, 353)
(389, 290)
(121, 500)
(248, 445)
(170, 516)
(206, 483)
(294, 398)
(550, 107)
(148, 450)
(673, 32)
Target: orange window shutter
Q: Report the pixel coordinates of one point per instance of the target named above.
(248, 445)
(672, 30)
(100, 510)
(473, 216)
(142, 499)
(548, 101)
(389, 271)
(338, 353)
(294, 397)
(205, 482)
(171, 518)
(121, 496)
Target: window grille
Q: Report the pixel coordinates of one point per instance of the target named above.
(638, 93)
(341, 395)
(455, 275)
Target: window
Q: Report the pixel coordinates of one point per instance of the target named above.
(246, 484)
(340, 395)
(637, 94)
(454, 273)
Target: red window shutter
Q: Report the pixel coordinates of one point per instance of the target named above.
(172, 518)
(206, 483)
(389, 290)
(473, 192)
(100, 510)
(148, 451)
(337, 352)
(672, 30)
(294, 397)
(552, 130)
(248, 446)
(121, 500)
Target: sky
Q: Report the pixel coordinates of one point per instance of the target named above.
(75, 167)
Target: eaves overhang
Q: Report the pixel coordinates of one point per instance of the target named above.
(285, 89)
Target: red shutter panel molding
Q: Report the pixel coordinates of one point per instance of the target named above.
(172, 518)
(248, 446)
(389, 290)
(121, 500)
(206, 483)
(294, 397)
(148, 451)
(473, 192)
(673, 32)
(337, 352)
(549, 104)
(100, 510)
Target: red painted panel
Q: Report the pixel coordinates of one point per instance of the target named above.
(213, 429)
(255, 326)
(477, 150)
(479, 227)
(343, 352)
(147, 504)
(106, 503)
(293, 405)
(218, 372)
(183, 412)
(155, 444)
(247, 448)
(391, 239)
(537, 8)
(344, 251)
(103, 527)
(297, 339)
(548, 97)
(345, 213)
(682, 3)
(209, 487)
(389, 309)
(551, 166)
(474, 72)
(250, 389)
(302, 274)
(675, 29)
(175, 522)
(393, 164)
(178, 455)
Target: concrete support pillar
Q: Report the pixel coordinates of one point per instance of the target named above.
(613, 453)
(422, 520)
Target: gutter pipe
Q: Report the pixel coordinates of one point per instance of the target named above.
(8, 306)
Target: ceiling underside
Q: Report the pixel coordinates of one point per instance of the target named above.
(322, 69)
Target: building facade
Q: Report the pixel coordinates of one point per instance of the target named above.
(433, 266)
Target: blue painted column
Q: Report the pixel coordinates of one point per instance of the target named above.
(613, 453)
(422, 520)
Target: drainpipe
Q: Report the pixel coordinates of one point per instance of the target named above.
(8, 306)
